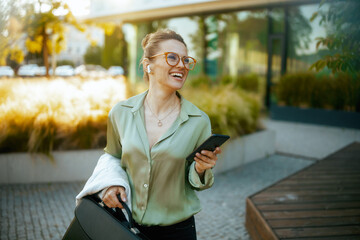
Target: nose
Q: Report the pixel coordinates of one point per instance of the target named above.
(181, 63)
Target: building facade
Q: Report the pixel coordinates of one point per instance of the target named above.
(231, 38)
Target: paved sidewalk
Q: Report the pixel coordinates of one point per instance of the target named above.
(44, 211)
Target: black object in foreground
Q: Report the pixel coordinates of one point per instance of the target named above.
(94, 220)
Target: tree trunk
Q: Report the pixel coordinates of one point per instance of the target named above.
(204, 31)
(45, 52)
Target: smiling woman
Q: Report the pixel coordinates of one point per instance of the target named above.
(149, 136)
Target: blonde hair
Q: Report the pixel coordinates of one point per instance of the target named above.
(151, 42)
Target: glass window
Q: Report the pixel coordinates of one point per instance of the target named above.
(302, 41)
(223, 44)
(276, 45)
(243, 43)
(277, 16)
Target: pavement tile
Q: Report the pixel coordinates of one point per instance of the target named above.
(49, 208)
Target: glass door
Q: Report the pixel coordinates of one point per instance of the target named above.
(276, 66)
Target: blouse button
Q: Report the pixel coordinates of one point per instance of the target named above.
(145, 185)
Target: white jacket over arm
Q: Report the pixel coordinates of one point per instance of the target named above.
(108, 172)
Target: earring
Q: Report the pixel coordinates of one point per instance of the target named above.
(148, 69)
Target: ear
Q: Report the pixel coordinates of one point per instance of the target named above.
(145, 64)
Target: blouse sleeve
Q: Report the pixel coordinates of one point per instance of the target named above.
(194, 178)
(113, 143)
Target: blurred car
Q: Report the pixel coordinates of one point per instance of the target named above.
(29, 70)
(65, 71)
(41, 71)
(115, 71)
(93, 71)
(6, 71)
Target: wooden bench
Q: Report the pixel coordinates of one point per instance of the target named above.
(321, 201)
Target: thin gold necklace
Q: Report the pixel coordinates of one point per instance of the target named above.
(160, 120)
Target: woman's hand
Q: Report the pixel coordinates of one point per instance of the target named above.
(110, 197)
(206, 160)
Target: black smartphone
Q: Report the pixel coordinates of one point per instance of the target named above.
(210, 144)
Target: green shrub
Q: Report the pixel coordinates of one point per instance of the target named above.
(65, 62)
(249, 82)
(198, 81)
(231, 110)
(345, 92)
(227, 79)
(340, 92)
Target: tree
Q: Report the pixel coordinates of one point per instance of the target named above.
(300, 30)
(14, 58)
(112, 42)
(45, 27)
(341, 20)
(10, 33)
(93, 55)
(114, 52)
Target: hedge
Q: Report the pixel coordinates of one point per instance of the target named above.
(339, 92)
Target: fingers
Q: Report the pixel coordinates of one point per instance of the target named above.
(207, 159)
(201, 166)
(207, 156)
(123, 194)
(110, 197)
(203, 159)
(217, 151)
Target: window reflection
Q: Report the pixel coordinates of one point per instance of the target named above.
(276, 60)
(244, 42)
(224, 44)
(277, 23)
(302, 50)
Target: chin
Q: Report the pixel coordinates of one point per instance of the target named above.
(177, 84)
(178, 87)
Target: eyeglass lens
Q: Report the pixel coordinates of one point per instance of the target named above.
(173, 59)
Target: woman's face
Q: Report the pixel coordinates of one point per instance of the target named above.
(165, 75)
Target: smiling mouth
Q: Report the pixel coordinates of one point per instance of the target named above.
(177, 75)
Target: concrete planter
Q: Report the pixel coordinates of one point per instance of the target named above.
(78, 165)
(68, 166)
(245, 149)
(310, 140)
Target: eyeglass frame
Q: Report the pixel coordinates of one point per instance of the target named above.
(182, 59)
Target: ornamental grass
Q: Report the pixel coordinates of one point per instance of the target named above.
(38, 115)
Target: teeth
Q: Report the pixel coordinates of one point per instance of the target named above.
(177, 75)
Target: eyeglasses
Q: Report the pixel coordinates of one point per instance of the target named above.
(172, 59)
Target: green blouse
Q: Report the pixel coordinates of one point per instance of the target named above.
(162, 182)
